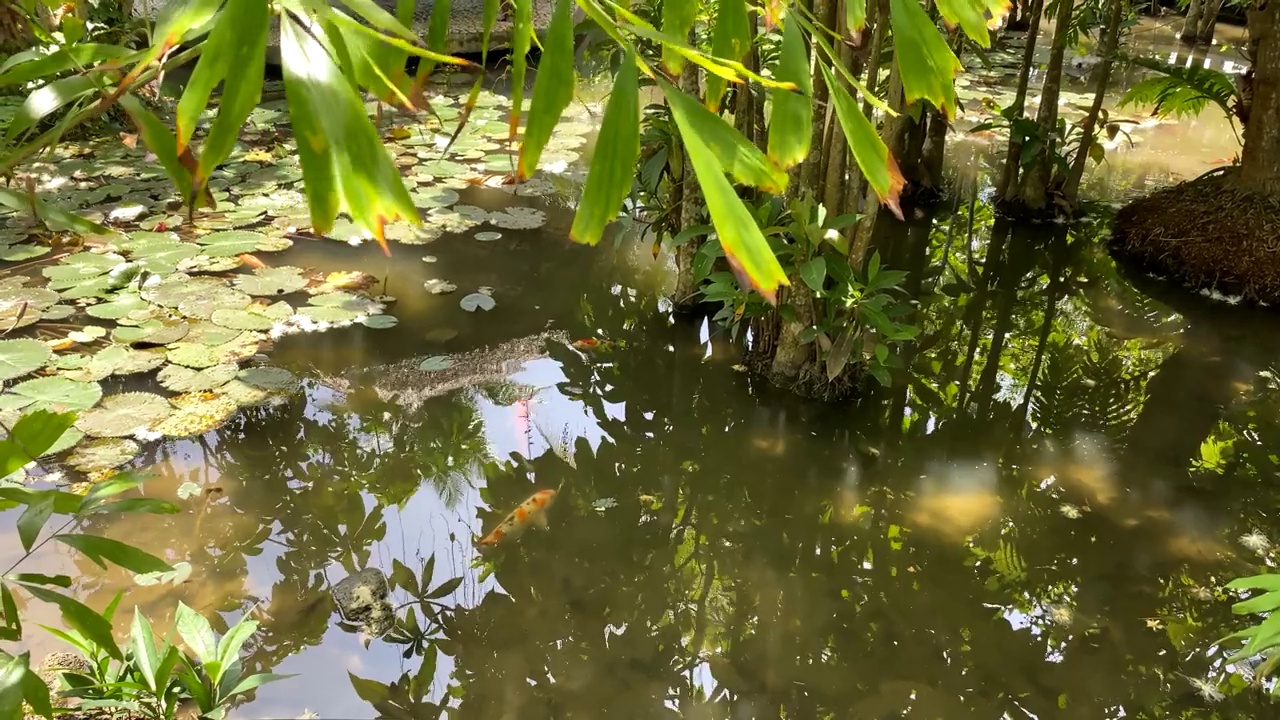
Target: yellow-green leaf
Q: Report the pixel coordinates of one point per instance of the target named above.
(344, 165)
(744, 245)
(160, 141)
(729, 41)
(613, 165)
(437, 31)
(552, 88)
(927, 66)
(521, 37)
(975, 17)
(855, 17)
(791, 120)
(48, 99)
(738, 156)
(869, 150)
(490, 19)
(677, 20)
(240, 36)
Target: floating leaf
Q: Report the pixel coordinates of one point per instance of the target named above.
(195, 355)
(328, 314)
(477, 301)
(436, 286)
(121, 415)
(271, 379)
(196, 414)
(184, 379)
(435, 363)
(228, 243)
(272, 281)
(488, 236)
(241, 319)
(58, 394)
(518, 218)
(20, 357)
(379, 322)
(103, 454)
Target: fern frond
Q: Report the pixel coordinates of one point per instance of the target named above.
(1182, 91)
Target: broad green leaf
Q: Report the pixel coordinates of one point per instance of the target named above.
(612, 171)
(240, 41)
(677, 20)
(927, 66)
(62, 581)
(112, 486)
(197, 634)
(869, 150)
(1265, 581)
(521, 37)
(78, 617)
(375, 65)
(1266, 637)
(378, 17)
(47, 100)
(344, 165)
(855, 17)
(9, 609)
(53, 217)
(31, 437)
(143, 642)
(23, 67)
(744, 245)
(971, 16)
(32, 521)
(98, 549)
(739, 157)
(254, 681)
(12, 670)
(36, 693)
(146, 505)
(176, 19)
(552, 88)
(840, 352)
(438, 27)
(730, 40)
(814, 273)
(791, 120)
(1264, 603)
(161, 142)
(230, 644)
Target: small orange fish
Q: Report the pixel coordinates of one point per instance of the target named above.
(531, 512)
(586, 344)
(252, 261)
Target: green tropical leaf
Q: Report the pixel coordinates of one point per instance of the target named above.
(1265, 581)
(971, 16)
(677, 20)
(31, 437)
(254, 681)
(143, 643)
(32, 521)
(730, 40)
(927, 66)
(855, 17)
(733, 152)
(197, 634)
(611, 174)
(24, 67)
(869, 150)
(80, 618)
(36, 693)
(12, 670)
(238, 43)
(521, 38)
(47, 100)
(98, 549)
(814, 273)
(552, 88)
(163, 144)
(791, 121)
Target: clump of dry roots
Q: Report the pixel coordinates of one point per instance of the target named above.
(1208, 233)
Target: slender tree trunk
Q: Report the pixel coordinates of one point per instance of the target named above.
(1089, 129)
(1191, 27)
(833, 185)
(1260, 157)
(897, 135)
(1208, 21)
(1009, 177)
(814, 171)
(1035, 182)
(857, 189)
(687, 204)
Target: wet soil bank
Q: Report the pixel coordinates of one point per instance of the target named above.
(1207, 233)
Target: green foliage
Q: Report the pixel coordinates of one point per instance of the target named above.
(1262, 639)
(1183, 92)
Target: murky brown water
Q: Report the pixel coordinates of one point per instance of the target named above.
(1033, 522)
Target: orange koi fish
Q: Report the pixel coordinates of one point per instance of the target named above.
(531, 512)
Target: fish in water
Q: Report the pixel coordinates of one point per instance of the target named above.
(531, 512)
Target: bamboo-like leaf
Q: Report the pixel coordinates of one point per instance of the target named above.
(869, 150)
(613, 165)
(521, 37)
(744, 245)
(677, 21)
(739, 157)
(32, 521)
(855, 17)
(164, 145)
(438, 30)
(344, 165)
(23, 67)
(240, 40)
(378, 17)
(791, 121)
(730, 40)
(975, 17)
(927, 66)
(176, 19)
(53, 217)
(143, 643)
(80, 618)
(100, 549)
(12, 670)
(552, 89)
(47, 100)
(490, 18)
(36, 692)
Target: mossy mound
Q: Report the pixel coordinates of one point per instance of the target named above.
(1208, 233)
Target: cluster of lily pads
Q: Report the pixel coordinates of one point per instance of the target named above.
(170, 298)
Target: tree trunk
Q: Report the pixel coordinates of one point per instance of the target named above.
(856, 191)
(1035, 182)
(15, 29)
(686, 204)
(1009, 177)
(1089, 129)
(897, 133)
(790, 356)
(1260, 157)
(1191, 27)
(1208, 21)
(814, 171)
(834, 184)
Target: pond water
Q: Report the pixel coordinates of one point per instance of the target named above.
(1034, 521)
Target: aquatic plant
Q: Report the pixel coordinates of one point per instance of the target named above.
(1263, 639)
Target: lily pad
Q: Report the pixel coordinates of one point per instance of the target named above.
(477, 301)
(230, 242)
(272, 281)
(20, 357)
(347, 301)
(518, 218)
(125, 414)
(241, 319)
(195, 355)
(103, 454)
(184, 379)
(488, 236)
(379, 322)
(328, 314)
(436, 286)
(435, 363)
(271, 379)
(196, 414)
(120, 307)
(58, 393)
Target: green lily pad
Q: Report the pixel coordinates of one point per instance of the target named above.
(195, 355)
(488, 236)
(379, 322)
(477, 301)
(184, 379)
(103, 454)
(347, 301)
(230, 242)
(436, 286)
(206, 264)
(323, 313)
(241, 319)
(125, 414)
(20, 357)
(58, 394)
(23, 251)
(272, 281)
(124, 360)
(518, 218)
(271, 379)
(196, 415)
(435, 363)
(118, 308)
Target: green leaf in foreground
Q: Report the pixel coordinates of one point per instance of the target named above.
(927, 66)
(731, 151)
(868, 149)
(344, 166)
(730, 40)
(79, 617)
(791, 122)
(744, 245)
(552, 88)
(100, 549)
(609, 180)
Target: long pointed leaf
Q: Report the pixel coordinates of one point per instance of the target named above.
(927, 66)
(241, 37)
(552, 88)
(80, 618)
(521, 37)
(730, 40)
(677, 20)
(98, 549)
(868, 149)
(195, 631)
(142, 641)
(613, 165)
(740, 158)
(791, 121)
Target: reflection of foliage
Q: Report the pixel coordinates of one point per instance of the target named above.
(1088, 386)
